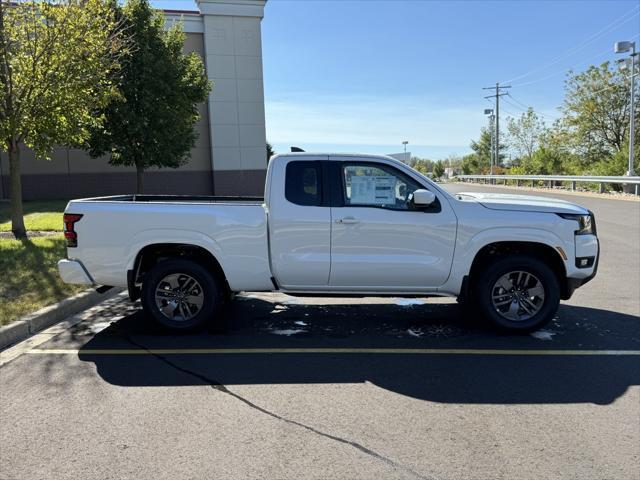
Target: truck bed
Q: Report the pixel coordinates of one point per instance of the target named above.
(113, 230)
(177, 199)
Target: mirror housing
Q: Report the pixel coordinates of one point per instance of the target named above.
(423, 198)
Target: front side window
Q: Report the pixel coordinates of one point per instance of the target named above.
(303, 183)
(377, 186)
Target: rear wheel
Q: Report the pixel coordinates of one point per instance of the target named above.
(182, 295)
(518, 293)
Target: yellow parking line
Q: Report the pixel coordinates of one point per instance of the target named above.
(420, 351)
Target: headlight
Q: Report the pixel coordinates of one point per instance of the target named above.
(586, 223)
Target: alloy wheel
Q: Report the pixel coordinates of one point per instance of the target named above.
(179, 297)
(518, 295)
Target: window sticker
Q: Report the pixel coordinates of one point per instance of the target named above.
(373, 190)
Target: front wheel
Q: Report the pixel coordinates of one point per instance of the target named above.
(518, 293)
(180, 294)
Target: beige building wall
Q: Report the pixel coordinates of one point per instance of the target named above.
(73, 173)
(233, 57)
(229, 157)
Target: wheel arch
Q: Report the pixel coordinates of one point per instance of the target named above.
(541, 251)
(150, 255)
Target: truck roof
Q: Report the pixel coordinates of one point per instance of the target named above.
(335, 154)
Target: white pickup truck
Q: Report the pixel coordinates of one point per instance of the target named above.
(352, 225)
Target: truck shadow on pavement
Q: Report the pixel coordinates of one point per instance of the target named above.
(253, 323)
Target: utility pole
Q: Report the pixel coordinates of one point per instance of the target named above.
(499, 93)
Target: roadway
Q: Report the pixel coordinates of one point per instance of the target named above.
(339, 388)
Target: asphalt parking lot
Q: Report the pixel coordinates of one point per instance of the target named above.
(339, 388)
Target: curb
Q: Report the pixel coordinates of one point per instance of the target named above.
(45, 317)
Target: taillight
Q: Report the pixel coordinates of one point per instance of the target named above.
(70, 234)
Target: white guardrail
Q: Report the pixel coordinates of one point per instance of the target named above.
(550, 179)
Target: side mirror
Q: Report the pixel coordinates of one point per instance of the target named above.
(423, 198)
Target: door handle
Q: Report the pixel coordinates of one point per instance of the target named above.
(347, 220)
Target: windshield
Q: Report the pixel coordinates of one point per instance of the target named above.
(428, 183)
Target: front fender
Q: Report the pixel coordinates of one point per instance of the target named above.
(467, 247)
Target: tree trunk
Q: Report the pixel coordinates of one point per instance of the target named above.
(139, 178)
(17, 219)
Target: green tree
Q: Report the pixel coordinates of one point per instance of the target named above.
(270, 151)
(617, 164)
(438, 169)
(480, 160)
(470, 164)
(422, 165)
(482, 149)
(545, 161)
(152, 123)
(596, 111)
(525, 133)
(56, 64)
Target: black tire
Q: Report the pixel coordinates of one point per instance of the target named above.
(208, 285)
(485, 284)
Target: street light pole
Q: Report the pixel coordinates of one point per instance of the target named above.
(405, 142)
(497, 141)
(623, 47)
(632, 122)
(489, 111)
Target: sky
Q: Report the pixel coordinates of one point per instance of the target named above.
(364, 75)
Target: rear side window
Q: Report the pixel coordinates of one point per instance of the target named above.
(303, 183)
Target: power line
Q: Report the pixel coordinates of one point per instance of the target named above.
(510, 113)
(520, 109)
(526, 107)
(615, 24)
(564, 70)
(507, 111)
(612, 26)
(504, 109)
(523, 107)
(615, 85)
(558, 72)
(604, 89)
(518, 101)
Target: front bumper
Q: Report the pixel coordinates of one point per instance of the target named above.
(72, 271)
(573, 283)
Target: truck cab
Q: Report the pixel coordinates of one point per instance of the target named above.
(348, 223)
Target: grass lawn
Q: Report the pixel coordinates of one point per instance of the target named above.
(45, 215)
(30, 275)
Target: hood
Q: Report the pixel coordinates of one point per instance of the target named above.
(523, 203)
